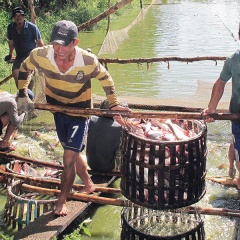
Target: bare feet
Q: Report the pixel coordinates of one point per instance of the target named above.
(6, 146)
(88, 189)
(60, 209)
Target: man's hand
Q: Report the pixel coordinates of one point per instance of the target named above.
(8, 57)
(205, 114)
(25, 104)
(119, 118)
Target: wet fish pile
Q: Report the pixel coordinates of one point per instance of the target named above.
(30, 170)
(160, 129)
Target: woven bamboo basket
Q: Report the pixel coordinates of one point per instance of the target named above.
(139, 223)
(153, 180)
(23, 207)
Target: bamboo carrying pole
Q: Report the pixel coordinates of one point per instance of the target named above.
(127, 203)
(224, 181)
(214, 211)
(136, 114)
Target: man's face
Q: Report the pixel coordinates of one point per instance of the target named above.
(63, 52)
(18, 18)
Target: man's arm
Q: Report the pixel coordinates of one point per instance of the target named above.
(40, 42)
(24, 77)
(11, 47)
(217, 92)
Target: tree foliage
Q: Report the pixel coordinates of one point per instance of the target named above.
(44, 5)
(78, 11)
(48, 12)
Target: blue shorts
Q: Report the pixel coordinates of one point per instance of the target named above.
(71, 131)
(236, 139)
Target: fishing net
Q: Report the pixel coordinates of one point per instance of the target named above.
(113, 39)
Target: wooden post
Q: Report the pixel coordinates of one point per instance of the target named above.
(33, 14)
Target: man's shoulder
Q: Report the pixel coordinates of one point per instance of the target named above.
(91, 57)
(40, 51)
(11, 25)
(236, 54)
(30, 25)
(234, 58)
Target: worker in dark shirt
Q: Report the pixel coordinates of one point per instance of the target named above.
(23, 36)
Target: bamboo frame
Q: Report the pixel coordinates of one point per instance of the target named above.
(125, 203)
(56, 182)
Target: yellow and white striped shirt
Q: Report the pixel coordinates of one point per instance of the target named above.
(72, 88)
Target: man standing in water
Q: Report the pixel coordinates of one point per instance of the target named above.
(68, 71)
(231, 70)
(23, 36)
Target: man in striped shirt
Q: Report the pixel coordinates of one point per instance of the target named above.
(68, 71)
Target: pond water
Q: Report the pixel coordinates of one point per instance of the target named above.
(184, 29)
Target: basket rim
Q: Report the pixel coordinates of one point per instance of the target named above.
(156, 142)
(13, 195)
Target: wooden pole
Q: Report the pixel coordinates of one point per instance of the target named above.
(30, 160)
(77, 196)
(53, 165)
(224, 181)
(108, 18)
(214, 211)
(103, 15)
(55, 182)
(5, 80)
(33, 14)
(161, 59)
(136, 114)
(127, 203)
